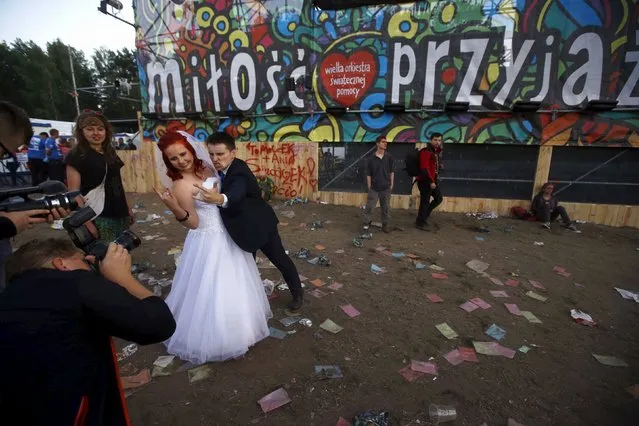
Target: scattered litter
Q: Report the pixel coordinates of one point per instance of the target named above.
(493, 349)
(296, 200)
(282, 287)
(496, 281)
(303, 278)
(127, 351)
(440, 252)
(477, 265)
(628, 294)
(314, 261)
(340, 251)
(358, 243)
(562, 271)
(140, 379)
(410, 375)
(513, 309)
(498, 293)
(320, 247)
(317, 293)
(317, 224)
(377, 269)
(480, 302)
(512, 283)
(538, 243)
(461, 354)
(335, 285)
(419, 265)
(468, 306)
(371, 418)
(306, 322)
(434, 267)
(288, 321)
(483, 216)
(331, 327)
(610, 361)
(398, 255)
(289, 214)
(496, 332)
(536, 284)
(536, 296)
(317, 282)
(350, 310)
(442, 413)
(380, 248)
(454, 357)
(283, 223)
(274, 400)
(524, 349)
(303, 254)
(343, 422)
(328, 372)
(434, 298)
(445, 329)
(412, 256)
(439, 276)
(323, 260)
(423, 367)
(483, 229)
(582, 318)
(479, 238)
(277, 333)
(366, 236)
(269, 286)
(164, 361)
(531, 317)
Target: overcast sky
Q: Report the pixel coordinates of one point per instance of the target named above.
(75, 22)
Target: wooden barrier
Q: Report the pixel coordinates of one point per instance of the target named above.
(138, 173)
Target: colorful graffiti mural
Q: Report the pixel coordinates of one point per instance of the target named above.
(213, 56)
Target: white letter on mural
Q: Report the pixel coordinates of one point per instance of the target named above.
(398, 78)
(171, 69)
(243, 60)
(625, 96)
(216, 74)
(197, 102)
(477, 47)
(270, 77)
(512, 72)
(545, 83)
(591, 70)
(433, 55)
(297, 72)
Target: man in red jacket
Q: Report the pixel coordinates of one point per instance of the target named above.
(430, 165)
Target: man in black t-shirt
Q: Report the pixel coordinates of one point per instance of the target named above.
(380, 177)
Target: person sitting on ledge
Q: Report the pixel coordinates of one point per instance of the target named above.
(266, 185)
(546, 208)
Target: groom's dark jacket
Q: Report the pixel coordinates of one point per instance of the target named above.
(248, 218)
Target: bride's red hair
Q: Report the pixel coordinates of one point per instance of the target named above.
(172, 138)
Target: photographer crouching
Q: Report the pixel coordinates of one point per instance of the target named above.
(57, 359)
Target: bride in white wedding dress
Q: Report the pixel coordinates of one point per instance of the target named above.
(217, 297)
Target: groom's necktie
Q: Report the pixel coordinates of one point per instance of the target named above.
(221, 177)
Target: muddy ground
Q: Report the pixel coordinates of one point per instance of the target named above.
(558, 382)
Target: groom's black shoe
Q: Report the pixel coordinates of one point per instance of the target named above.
(296, 304)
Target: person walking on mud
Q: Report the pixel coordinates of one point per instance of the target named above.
(380, 178)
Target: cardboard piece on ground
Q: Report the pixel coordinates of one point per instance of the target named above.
(434, 298)
(199, 373)
(536, 296)
(445, 329)
(317, 282)
(423, 367)
(487, 348)
(496, 281)
(454, 357)
(536, 284)
(410, 375)
(498, 293)
(140, 379)
(478, 266)
(329, 371)
(288, 321)
(274, 400)
(531, 317)
(164, 361)
(468, 306)
(512, 283)
(610, 361)
(439, 276)
(513, 309)
(277, 333)
(317, 293)
(496, 332)
(480, 302)
(350, 310)
(335, 285)
(330, 326)
(467, 354)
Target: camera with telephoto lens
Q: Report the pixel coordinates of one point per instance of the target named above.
(48, 195)
(75, 225)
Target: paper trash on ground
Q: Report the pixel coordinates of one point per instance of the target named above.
(610, 361)
(330, 326)
(582, 318)
(445, 329)
(274, 400)
(478, 266)
(628, 294)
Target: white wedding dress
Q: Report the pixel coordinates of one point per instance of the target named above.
(217, 298)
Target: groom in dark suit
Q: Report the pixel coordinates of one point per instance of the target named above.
(249, 219)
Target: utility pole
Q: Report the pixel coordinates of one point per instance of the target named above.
(75, 89)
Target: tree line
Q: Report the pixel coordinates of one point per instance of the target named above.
(39, 80)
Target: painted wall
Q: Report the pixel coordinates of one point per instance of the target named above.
(210, 56)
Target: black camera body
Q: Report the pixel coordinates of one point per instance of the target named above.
(82, 238)
(49, 195)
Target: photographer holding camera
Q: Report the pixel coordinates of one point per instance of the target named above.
(16, 130)
(57, 360)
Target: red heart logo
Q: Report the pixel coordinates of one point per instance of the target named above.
(347, 78)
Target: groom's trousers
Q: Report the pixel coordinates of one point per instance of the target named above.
(274, 251)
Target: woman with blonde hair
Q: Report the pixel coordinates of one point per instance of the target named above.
(93, 167)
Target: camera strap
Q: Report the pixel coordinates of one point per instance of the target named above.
(95, 197)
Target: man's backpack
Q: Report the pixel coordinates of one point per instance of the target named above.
(412, 162)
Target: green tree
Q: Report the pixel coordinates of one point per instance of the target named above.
(115, 66)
